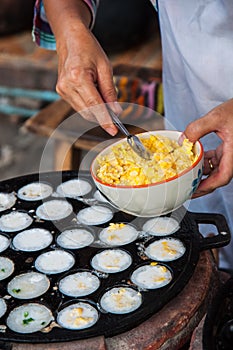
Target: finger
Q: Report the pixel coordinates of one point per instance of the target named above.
(210, 162)
(89, 108)
(106, 86)
(208, 166)
(82, 83)
(93, 100)
(206, 186)
(216, 179)
(202, 126)
(200, 193)
(77, 103)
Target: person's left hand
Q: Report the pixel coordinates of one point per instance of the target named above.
(218, 163)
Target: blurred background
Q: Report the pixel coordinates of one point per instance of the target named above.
(128, 30)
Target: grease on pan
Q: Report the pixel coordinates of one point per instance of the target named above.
(118, 234)
(121, 300)
(54, 210)
(79, 284)
(111, 260)
(35, 191)
(167, 249)
(4, 243)
(54, 261)
(29, 318)
(74, 188)
(78, 316)
(151, 276)
(7, 267)
(15, 221)
(75, 238)
(32, 240)
(161, 226)
(94, 215)
(28, 285)
(7, 200)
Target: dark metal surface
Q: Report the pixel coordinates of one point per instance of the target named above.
(153, 300)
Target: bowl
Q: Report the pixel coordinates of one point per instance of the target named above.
(160, 197)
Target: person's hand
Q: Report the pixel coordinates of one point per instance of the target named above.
(218, 163)
(85, 77)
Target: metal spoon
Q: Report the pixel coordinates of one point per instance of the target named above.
(132, 140)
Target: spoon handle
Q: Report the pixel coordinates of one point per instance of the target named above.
(118, 123)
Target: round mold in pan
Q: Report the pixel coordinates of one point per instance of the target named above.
(118, 234)
(54, 261)
(33, 239)
(3, 307)
(7, 267)
(111, 260)
(28, 285)
(151, 276)
(5, 241)
(95, 215)
(15, 221)
(77, 315)
(7, 201)
(74, 188)
(75, 238)
(29, 318)
(161, 226)
(54, 209)
(35, 191)
(121, 300)
(165, 249)
(79, 284)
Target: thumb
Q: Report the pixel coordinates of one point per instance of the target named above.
(200, 127)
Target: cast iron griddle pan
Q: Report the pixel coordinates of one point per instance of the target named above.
(108, 324)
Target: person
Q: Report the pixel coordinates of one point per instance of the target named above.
(197, 45)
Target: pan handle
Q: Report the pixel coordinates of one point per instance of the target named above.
(219, 240)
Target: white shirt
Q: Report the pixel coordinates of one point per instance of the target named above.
(197, 44)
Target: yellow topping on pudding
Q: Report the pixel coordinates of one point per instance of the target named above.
(168, 249)
(81, 285)
(113, 226)
(79, 319)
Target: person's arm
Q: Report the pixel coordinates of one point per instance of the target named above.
(85, 77)
(218, 163)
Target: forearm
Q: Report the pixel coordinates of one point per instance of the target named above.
(85, 77)
(65, 16)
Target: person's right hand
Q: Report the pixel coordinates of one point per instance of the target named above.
(85, 77)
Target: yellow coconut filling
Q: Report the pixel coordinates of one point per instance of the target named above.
(122, 166)
(167, 248)
(121, 299)
(77, 317)
(113, 226)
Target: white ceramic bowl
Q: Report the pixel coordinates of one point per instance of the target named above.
(158, 198)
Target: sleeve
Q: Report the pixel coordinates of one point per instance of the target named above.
(41, 31)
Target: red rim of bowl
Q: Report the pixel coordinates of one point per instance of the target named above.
(147, 185)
